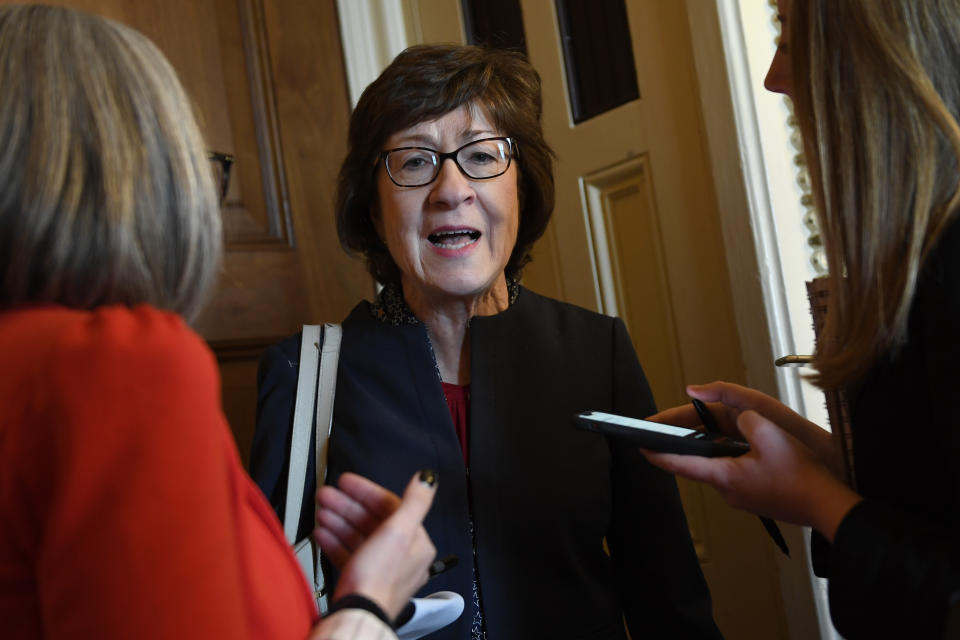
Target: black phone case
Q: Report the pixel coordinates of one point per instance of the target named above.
(699, 443)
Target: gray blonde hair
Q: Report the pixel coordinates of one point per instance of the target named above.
(106, 194)
(877, 93)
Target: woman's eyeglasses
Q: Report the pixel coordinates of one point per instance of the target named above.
(222, 163)
(478, 160)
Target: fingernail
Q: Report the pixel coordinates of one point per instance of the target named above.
(444, 564)
(428, 477)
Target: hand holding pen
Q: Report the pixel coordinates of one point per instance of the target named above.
(711, 425)
(785, 475)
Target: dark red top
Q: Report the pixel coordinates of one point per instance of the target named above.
(458, 400)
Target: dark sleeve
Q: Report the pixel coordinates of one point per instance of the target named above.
(819, 554)
(892, 575)
(270, 451)
(657, 571)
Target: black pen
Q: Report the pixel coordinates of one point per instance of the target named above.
(435, 569)
(711, 425)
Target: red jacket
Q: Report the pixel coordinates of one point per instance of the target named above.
(124, 509)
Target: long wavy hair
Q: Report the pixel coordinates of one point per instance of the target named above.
(877, 93)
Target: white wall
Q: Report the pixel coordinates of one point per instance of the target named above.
(372, 33)
(759, 29)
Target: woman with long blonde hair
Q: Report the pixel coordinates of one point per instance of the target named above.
(876, 86)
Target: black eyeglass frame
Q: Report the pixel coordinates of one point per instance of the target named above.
(226, 163)
(443, 155)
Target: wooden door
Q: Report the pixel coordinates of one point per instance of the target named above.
(636, 234)
(268, 86)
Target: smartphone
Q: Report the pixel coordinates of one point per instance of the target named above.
(661, 437)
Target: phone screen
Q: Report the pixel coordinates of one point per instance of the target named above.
(660, 437)
(636, 423)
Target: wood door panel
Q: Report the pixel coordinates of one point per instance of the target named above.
(214, 45)
(259, 295)
(313, 115)
(255, 210)
(238, 374)
(631, 264)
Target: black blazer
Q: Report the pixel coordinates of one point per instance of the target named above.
(542, 494)
(895, 563)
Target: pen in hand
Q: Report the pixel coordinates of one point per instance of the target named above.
(711, 426)
(410, 609)
(444, 564)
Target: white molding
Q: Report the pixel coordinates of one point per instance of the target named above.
(762, 220)
(596, 188)
(372, 33)
(599, 264)
(596, 230)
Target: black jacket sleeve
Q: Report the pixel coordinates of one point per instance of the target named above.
(663, 589)
(891, 576)
(893, 572)
(270, 451)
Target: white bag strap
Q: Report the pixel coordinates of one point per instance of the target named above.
(318, 388)
(300, 440)
(326, 391)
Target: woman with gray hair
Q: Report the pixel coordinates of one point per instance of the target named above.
(125, 510)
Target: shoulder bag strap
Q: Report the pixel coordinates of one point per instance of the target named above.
(302, 417)
(326, 391)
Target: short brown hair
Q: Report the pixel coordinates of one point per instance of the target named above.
(426, 82)
(106, 194)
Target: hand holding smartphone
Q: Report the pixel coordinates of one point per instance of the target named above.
(667, 438)
(661, 437)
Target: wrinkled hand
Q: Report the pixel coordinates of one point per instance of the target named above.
(347, 516)
(376, 539)
(780, 477)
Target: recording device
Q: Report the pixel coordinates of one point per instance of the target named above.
(661, 437)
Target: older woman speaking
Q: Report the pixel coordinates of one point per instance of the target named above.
(447, 184)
